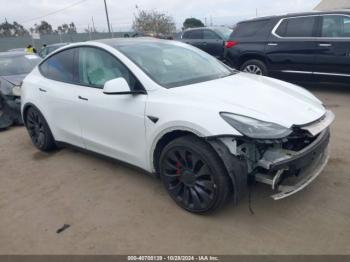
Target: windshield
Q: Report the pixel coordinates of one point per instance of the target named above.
(224, 31)
(172, 65)
(17, 65)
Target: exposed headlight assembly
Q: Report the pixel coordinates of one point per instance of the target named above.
(16, 91)
(254, 128)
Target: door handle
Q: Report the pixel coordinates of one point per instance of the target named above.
(272, 44)
(83, 98)
(42, 90)
(324, 45)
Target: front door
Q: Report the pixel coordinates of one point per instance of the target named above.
(112, 125)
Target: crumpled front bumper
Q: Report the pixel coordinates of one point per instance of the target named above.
(307, 164)
(10, 111)
(308, 176)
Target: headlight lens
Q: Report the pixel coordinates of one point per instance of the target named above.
(254, 128)
(16, 91)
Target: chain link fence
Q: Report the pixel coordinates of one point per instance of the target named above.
(7, 43)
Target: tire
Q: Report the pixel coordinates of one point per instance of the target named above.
(254, 66)
(39, 130)
(194, 175)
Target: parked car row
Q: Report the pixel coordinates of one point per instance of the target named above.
(295, 47)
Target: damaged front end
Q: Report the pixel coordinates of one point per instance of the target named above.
(10, 105)
(288, 164)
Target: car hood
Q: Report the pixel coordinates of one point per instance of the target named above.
(8, 82)
(13, 79)
(257, 97)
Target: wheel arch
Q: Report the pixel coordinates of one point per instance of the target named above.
(26, 108)
(29, 105)
(250, 56)
(238, 181)
(165, 138)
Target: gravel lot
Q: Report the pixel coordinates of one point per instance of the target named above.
(113, 209)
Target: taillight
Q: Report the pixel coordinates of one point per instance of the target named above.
(229, 44)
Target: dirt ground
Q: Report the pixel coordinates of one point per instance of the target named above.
(113, 209)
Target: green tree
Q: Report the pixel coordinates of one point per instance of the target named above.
(43, 28)
(192, 23)
(153, 22)
(72, 29)
(7, 29)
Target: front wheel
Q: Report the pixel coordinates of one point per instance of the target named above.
(194, 175)
(255, 67)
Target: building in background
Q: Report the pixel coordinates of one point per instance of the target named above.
(327, 5)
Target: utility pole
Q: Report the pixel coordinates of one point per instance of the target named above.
(112, 30)
(109, 26)
(93, 25)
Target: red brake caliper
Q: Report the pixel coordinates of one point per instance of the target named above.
(178, 168)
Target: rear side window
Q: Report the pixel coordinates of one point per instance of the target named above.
(59, 67)
(193, 34)
(297, 27)
(207, 34)
(251, 29)
(335, 26)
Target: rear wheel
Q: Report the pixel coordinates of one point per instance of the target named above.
(255, 67)
(194, 175)
(39, 130)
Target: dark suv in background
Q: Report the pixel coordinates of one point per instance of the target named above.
(209, 39)
(295, 47)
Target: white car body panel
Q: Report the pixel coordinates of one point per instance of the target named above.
(60, 113)
(118, 126)
(113, 125)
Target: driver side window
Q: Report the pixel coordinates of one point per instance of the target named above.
(96, 67)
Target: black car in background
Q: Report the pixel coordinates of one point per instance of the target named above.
(14, 67)
(50, 48)
(210, 39)
(295, 47)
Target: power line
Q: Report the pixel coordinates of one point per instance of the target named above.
(54, 12)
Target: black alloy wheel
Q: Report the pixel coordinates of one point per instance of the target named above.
(38, 130)
(196, 183)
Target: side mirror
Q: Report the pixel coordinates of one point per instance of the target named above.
(118, 86)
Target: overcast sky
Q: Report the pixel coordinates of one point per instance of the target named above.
(121, 12)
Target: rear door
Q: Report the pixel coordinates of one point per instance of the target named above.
(58, 95)
(291, 49)
(212, 43)
(333, 49)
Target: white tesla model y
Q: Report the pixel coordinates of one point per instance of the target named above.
(173, 110)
